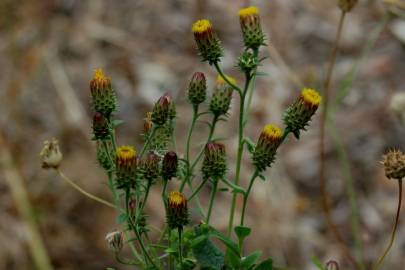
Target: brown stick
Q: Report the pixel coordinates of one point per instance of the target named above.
(322, 154)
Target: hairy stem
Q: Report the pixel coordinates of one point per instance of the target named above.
(212, 198)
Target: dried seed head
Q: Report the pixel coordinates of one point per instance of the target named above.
(266, 147)
(169, 165)
(332, 265)
(177, 211)
(103, 96)
(208, 44)
(197, 89)
(147, 123)
(394, 164)
(51, 156)
(299, 114)
(347, 5)
(253, 36)
(214, 163)
(126, 163)
(115, 241)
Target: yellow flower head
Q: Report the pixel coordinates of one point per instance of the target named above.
(311, 97)
(99, 77)
(126, 156)
(249, 11)
(201, 26)
(272, 132)
(176, 200)
(221, 81)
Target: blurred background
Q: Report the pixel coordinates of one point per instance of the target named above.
(49, 50)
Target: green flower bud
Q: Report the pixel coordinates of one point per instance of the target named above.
(102, 157)
(177, 211)
(214, 163)
(253, 36)
(247, 62)
(103, 96)
(150, 167)
(208, 44)
(126, 163)
(197, 90)
(169, 165)
(100, 126)
(266, 147)
(299, 114)
(163, 110)
(221, 97)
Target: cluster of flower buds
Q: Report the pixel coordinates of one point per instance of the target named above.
(103, 157)
(347, 5)
(394, 164)
(150, 167)
(221, 97)
(177, 211)
(253, 36)
(126, 163)
(163, 110)
(266, 148)
(197, 89)
(51, 156)
(115, 240)
(214, 163)
(298, 115)
(169, 165)
(103, 96)
(208, 44)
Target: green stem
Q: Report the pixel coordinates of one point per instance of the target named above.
(146, 195)
(180, 229)
(211, 204)
(148, 139)
(233, 186)
(394, 230)
(225, 78)
(197, 190)
(190, 132)
(240, 152)
(164, 195)
(246, 196)
(82, 191)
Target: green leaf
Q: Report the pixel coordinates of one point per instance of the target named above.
(207, 254)
(242, 232)
(122, 218)
(261, 176)
(250, 260)
(317, 263)
(117, 122)
(233, 259)
(223, 189)
(265, 265)
(232, 246)
(250, 145)
(170, 250)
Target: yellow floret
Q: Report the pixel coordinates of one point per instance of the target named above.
(201, 26)
(249, 11)
(311, 96)
(221, 81)
(272, 131)
(125, 154)
(99, 75)
(176, 199)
